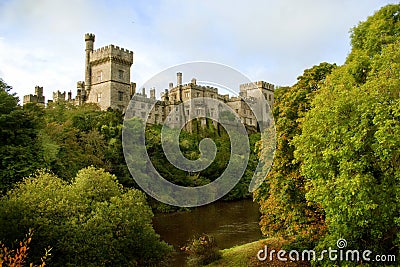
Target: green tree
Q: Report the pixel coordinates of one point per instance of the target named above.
(349, 145)
(285, 211)
(75, 137)
(20, 151)
(92, 221)
(349, 154)
(379, 30)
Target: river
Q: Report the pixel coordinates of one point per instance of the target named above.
(230, 223)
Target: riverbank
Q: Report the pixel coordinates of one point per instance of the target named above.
(246, 255)
(230, 223)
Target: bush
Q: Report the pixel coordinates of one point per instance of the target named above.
(93, 221)
(202, 250)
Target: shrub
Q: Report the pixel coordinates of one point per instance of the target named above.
(202, 250)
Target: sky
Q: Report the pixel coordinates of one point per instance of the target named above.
(42, 41)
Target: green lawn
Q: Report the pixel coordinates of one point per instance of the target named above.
(246, 255)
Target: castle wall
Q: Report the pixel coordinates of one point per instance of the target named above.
(100, 93)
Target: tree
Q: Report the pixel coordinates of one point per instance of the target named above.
(92, 221)
(20, 151)
(349, 154)
(349, 145)
(379, 30)
(285, 211)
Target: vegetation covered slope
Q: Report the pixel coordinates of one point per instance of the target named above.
(337, 167)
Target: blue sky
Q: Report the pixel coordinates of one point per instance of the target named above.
(42, 43)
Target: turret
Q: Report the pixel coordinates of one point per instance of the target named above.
(89, 40)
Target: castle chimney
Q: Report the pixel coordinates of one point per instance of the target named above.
(69, 96)
(179, 79)
(133, 89)
(153, 93)
(171, 85)
(194, 81)
(143, 91)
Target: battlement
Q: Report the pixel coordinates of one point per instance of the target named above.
(256, 85)
(200, 87)
(113, 52)
(80, 84)
(89, 37)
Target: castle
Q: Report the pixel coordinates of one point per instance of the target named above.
(107, 83)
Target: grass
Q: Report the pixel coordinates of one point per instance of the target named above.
(246, 255)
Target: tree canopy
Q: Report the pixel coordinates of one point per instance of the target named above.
(92, 221)
(336, 170)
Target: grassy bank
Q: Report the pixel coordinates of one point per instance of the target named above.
(246, 255)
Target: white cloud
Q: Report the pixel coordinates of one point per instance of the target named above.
(42, 41)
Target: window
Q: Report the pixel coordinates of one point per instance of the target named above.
(187, 94)
(198, 94)
(99, 76)
(120, 74)
(269, 97)
(212, 96)
(176, 108)
(142, 105)
(120, 96)
(98, 97)
(187, 111)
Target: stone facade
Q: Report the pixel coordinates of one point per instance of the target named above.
(108, 84)
(157, 111)
(107, 76)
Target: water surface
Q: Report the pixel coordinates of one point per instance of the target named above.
(230, 223)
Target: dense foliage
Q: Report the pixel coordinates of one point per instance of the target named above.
(65, 138)
(189, 145)
(20, 151)
(337, 167)
(92, 221)
(285, 211)
(85, 215)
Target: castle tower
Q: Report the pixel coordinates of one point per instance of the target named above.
(109, 76)
(89, 40)
(38, 97)
(253, 89)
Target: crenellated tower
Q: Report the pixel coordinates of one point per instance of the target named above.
(107, 76)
